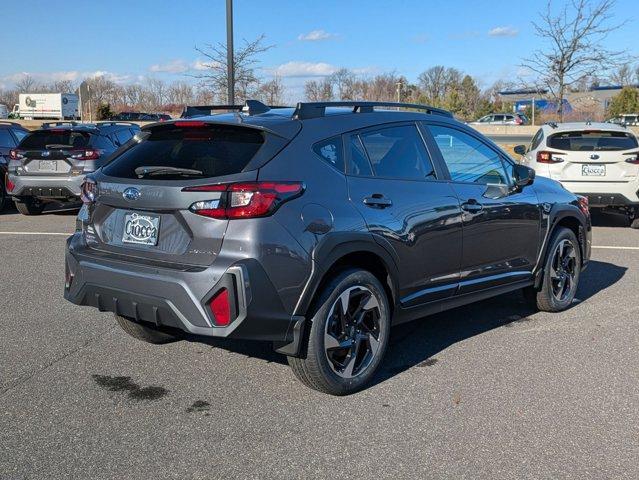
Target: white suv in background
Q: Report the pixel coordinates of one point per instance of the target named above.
(597, 160)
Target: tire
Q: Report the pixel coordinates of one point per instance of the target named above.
(634, 223)
(29, 206)
(552, 296)
(359, 343)
(144, 333)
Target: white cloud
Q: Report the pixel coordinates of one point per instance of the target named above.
(316, 36)
(303, 69)
(174, 66)
(505, 31)
(201, 64)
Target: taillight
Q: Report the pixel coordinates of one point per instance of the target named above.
(583, 205)
(15, 155)
(245, 200)
(89, 190)
(221, 308)
(634, 159)
(85, 154)
(518, 120)
(548, 157)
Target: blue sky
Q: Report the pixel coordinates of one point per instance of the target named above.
(131, 40)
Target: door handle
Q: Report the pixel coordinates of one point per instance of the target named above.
(472, 206)
(377, 200)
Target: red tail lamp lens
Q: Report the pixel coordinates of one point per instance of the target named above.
(221, 308)
(10, 185)
(547, 157)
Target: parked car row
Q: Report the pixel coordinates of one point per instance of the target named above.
(141, 117)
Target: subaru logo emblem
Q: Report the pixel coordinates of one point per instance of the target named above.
(46, 153)
(131, 194)
(594, 156)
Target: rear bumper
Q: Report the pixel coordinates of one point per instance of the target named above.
(603, 194)
(179, 298)
(54, 186)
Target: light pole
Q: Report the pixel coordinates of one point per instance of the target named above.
(230, 67)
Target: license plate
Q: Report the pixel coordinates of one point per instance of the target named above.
(48, 165)
(141, 229)
(593, 170)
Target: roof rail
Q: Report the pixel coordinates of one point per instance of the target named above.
(307, 110)
(7, 122)
(552, 124)
(115, 122)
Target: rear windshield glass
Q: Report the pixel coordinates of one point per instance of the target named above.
(591, 141)
(41, 139)
(176, 153)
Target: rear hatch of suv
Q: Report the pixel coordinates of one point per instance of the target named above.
(57, 152)
(148, 194)
(594, 156)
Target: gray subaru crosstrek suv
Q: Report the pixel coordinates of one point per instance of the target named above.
(49, 164)
(316, 228)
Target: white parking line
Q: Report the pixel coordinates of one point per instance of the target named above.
(612, 247)
(35, 233)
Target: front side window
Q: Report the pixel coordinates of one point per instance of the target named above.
(331, 152)
(468, 159)
(398, 152)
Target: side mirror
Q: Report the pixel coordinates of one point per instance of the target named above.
(523, 175)
(520, 149)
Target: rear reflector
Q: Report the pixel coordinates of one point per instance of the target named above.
(10, 185)
(245, 200)
(221, 308)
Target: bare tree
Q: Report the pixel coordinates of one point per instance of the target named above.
(26, 84)
(272, 92)
(622, 76)
(245, 61)
(318, 90)
(62, 86)
(180, 93)
(437, 83)
(575, 37)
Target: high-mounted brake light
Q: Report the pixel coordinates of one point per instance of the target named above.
(190, 124)
(245, 200)
(548, 157)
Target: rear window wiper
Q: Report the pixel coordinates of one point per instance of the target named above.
(157, 170)
(57, 146)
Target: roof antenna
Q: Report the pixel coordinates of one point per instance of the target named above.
(254, 107)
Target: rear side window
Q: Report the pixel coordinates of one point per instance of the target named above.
(199, 152)
(123, 136)
(588, 141)
(331, 152)
(398, 152)
(20, 134)
(6, 140)
(358, 164)
(39, 140)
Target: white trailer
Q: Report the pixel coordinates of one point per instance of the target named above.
(56, 106)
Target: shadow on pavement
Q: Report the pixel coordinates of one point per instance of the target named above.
(415, 344)
(609, 219)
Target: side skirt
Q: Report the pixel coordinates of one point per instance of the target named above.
(407, 314)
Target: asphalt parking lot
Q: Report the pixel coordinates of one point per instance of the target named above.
(493, 390)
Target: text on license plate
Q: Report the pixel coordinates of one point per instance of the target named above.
(48, 165)
(141, 229)
(593, 170)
